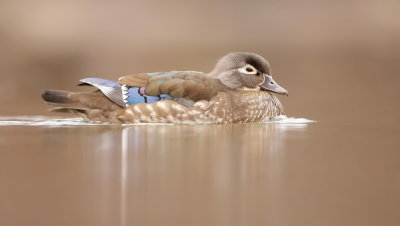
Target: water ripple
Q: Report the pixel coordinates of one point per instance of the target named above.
(52, 121)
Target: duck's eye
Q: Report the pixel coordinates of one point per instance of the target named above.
(248, 69)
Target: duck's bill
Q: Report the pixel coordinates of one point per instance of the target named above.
(271, 86)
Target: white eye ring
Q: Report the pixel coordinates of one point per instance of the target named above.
(248, 69)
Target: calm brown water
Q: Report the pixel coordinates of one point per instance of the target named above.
(251, 174)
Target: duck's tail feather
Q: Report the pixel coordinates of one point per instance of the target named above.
(83, 113)
(55, 96)
(68, 110)
(62, 99)
(91, 105)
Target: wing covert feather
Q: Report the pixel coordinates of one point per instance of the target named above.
(190, 85)
(136, 80)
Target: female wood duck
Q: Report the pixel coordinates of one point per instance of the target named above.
(238, 90)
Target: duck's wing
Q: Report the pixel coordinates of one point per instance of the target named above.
(190, 85)
(185, 87)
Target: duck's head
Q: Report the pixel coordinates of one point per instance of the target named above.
(246, 71)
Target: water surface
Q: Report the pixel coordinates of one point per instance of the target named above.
(64, 172)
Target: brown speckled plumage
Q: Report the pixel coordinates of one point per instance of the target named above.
(225, 107)
(234, 92)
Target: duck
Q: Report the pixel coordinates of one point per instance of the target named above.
(240, 89)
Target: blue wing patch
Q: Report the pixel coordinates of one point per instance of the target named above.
(135, 95)
(123, 95)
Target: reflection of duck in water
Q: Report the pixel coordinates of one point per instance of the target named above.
(238, 90)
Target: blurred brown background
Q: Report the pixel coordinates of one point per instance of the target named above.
(338, 59)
